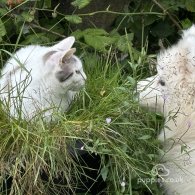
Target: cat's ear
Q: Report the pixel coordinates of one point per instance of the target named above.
(52, 57)
(65, 44)
(68, 54)
(58, 57)
(48, 55)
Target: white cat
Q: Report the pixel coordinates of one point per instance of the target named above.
(41, 80)
(172, 92)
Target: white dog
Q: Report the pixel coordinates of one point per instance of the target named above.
(172, 92)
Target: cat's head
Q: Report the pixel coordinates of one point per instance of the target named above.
(173, 87)
(65, 70)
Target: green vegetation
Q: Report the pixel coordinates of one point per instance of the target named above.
(126, 144)
(105, 116)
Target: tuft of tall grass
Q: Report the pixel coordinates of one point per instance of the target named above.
(104, 117)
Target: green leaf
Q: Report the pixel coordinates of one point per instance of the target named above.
(28, 16)
(47, 4)
(98, 42)
(190, 5)
(162, 29)
(186, 23)
(95, 31)
(44, 4)
(131, 80)
(2, 29)
(89, 31)
(122, 43)
(75, 19)
(173, 4)
(3, 11)
(77, 34)
(104, 173)
(37, 38)
(97, 38)
(145, 137)
(151, 156)
(80, 3)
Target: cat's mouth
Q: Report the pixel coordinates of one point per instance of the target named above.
(77, 86)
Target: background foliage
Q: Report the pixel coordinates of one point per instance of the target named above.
(117, 43)
(42, 21)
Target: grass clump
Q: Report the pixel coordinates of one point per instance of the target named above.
(105, 118)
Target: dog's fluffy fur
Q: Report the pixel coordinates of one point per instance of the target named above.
(172, 92)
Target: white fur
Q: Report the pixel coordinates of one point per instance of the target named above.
(176, 100)
(33, 88)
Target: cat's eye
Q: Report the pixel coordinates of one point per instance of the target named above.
(161, 82)
(78, 72)
(63, 76)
